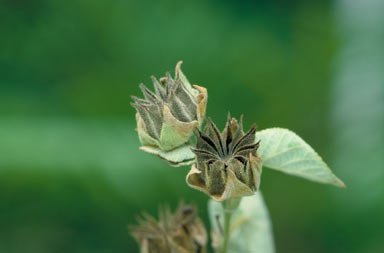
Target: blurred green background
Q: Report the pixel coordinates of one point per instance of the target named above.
(71, 174)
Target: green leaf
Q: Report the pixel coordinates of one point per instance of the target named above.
(176, 157)
(283, 150)
(251, 229)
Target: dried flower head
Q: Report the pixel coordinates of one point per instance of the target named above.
(181, 232)
(227, 164)
(167, 117)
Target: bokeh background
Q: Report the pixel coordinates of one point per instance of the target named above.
(71, 175)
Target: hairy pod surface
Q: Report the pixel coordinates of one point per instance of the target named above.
(227, 164)
(167, 117)
(181, 232)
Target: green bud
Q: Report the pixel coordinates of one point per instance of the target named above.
(167, 117)
(181, 232)
(227, 164)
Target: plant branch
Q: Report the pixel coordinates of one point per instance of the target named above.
(229, 206)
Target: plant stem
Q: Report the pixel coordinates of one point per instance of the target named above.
(227, 223)
(229, 207)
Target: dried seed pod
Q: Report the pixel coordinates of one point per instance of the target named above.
(181, 232)
(167, 117)
(227, 164)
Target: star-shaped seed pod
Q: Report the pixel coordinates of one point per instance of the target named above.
(167, 117)
(227, 164)
(181, 232)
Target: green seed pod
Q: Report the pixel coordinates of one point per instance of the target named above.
(167, 117)
(181, 232)
(227, 164)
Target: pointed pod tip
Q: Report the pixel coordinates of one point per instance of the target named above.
(229, 116)
(254, 127)
(178, 65)
(241, 120)
(194, 150)
(135, 104)
(200, 88)
(163, 80)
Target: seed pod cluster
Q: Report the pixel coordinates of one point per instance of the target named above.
(181, 232)
(226, 164)
(167, 117)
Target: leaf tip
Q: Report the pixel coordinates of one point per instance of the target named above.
(340, 183)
